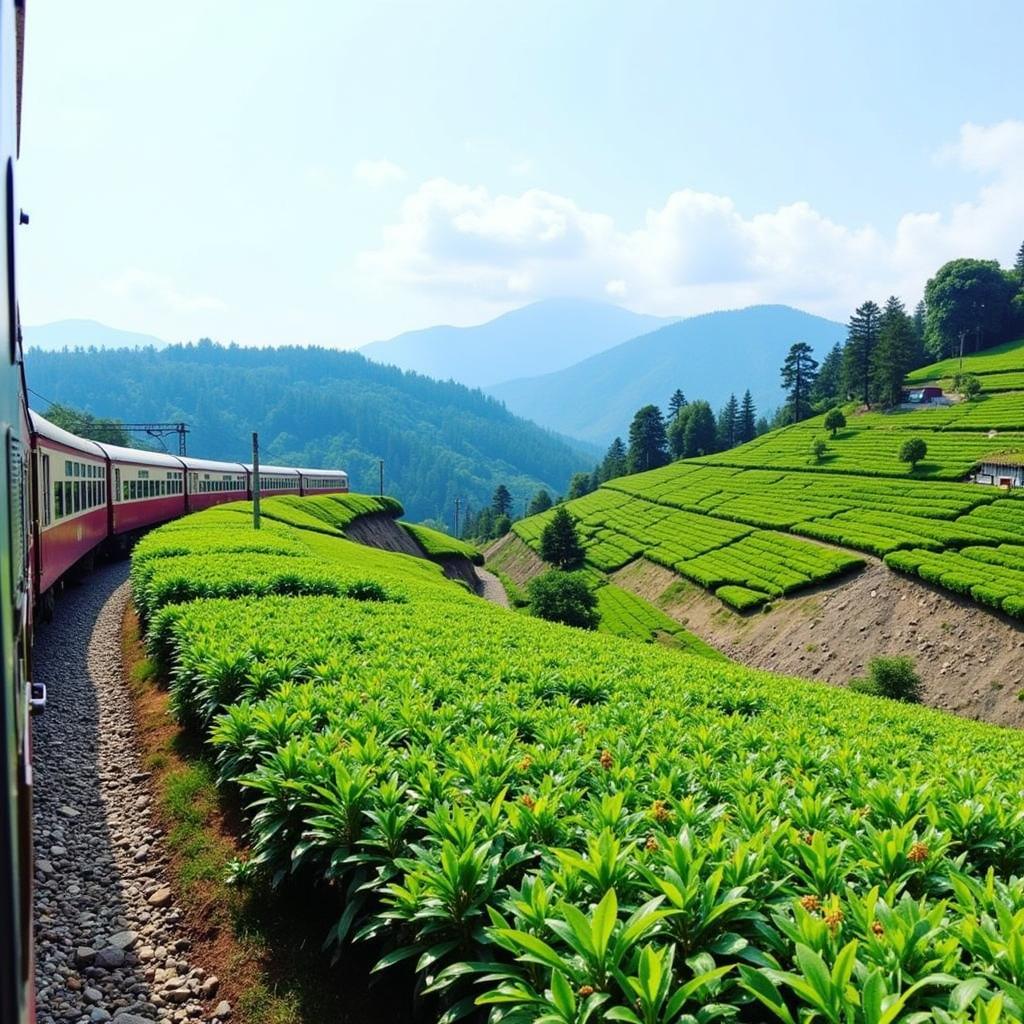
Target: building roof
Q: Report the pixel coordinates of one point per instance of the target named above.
(1003, 459)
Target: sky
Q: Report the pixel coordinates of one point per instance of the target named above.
(335, 172)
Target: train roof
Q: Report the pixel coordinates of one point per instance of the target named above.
(44, 428)
(137, 457)
(276, 470)
(211, 465)
(337, 474)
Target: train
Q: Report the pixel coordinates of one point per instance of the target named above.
(65, 501)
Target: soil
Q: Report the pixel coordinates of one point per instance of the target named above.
(970, 660)
(516, 559)
(379, 530)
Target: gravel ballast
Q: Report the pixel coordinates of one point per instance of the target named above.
(109, 940)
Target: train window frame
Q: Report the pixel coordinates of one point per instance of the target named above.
(47, 492)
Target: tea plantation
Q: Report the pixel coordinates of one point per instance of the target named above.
(732, 522)
(534, 823)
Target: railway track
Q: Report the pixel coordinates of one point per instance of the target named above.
(108, 941)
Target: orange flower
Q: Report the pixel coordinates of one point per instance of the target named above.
(810, 903)
(918, 853)
(876, 927)
(527, 801)
(526, 763)
(651, 845)
(834, 918)
(585, 990)
(660, 811)
(808, 838)
(606, 759)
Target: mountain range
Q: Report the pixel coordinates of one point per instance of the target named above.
(84, 334)
(707, 357)
(539, 338)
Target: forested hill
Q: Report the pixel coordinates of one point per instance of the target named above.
(319, 407)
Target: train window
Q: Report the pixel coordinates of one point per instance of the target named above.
(67, 498)
(46, 490)
(67, 468)
(58, 500)
(124, 497)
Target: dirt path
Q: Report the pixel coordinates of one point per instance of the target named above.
(491, 588)
(970, 660)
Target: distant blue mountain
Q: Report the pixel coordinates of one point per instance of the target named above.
(706, 356)
(84, 334)
(536, 339)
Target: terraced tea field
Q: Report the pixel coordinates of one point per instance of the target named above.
(732, 522)
(528, 822)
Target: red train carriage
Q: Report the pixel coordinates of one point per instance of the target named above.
(145, 488)
(212, 483)
(275, 480)
(71, 500)
(323, 481)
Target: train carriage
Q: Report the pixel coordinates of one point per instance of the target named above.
(146, 488)
(275, 480)
(212, 483)
(323, 481)
(70, 500)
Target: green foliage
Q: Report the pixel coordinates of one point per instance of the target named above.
(834, 421)
(648, 445)
(913, 450)
(570, 827)
(859, 351)
(559, 541)
(799, 372)
(84, 424)
(968, 385)
(967, 303)
(894, 678)
(818, 449)
(441, 545)
(565, 597)
(540, 502)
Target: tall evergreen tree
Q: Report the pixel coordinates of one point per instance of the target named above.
(616, 461)
(675, 404)
(748, 419)
(828, 388)
(700, 436)
(541, 502)
(677, 431)
(861, 339)
(501, 503)
(559, 542)
(1018, 264)
(648, 445)
(799, 372)
(919, 324)
(894, 353)
(579, 485)
(728, 424)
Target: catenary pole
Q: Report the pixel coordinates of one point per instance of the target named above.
(255, 480)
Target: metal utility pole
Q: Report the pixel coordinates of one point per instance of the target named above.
(255, 480)
(380, 466)
(457, 517)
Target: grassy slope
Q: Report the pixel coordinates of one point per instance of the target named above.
(439, 761)
(726, 521)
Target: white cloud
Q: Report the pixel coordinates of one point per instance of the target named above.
(377, 173)
(153, 289)
(697, 251)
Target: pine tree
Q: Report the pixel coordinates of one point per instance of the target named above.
(541, 502)
(893, 355)
(648, 445)
(763, 426)
(919, 323)
(799, 372)
(828, 388)
(501, 503)
(748, 419)
(615, 462)
(675, 404)
(700, 436)
(579, 485)
(728, 425)
(862, 337)
(559, 541)
(1018, 264)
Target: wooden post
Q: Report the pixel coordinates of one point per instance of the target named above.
(255, 480)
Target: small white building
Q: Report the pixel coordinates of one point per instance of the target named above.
(1005, 469)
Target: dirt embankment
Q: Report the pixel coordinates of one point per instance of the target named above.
(515, 559)
(970, 660)
(379, 530)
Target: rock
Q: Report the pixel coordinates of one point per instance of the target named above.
(84, 956)
(209, 987)
(222, 1010)
(92, 995)
(68, 812)
(124, 940)
(161, 898)
(98, 1015)
(110, 958)
(178, 995)
(131, 1018)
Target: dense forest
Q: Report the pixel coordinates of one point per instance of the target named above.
(319, 407)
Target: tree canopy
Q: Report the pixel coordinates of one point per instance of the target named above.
(799, 372)
(648, 445)
(559, 542)
(967, 303)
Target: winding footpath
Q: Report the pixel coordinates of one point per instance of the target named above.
(108, 936)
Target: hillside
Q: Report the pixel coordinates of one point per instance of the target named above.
(319, 407)
(85, 334)
(706, 356)
(768, 519)
(539, 338)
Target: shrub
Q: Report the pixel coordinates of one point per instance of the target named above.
(563, 597)
(913, 451)
(818, 449)
(560, 543)
(969, 386)
(834, 421)
(894, 678)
